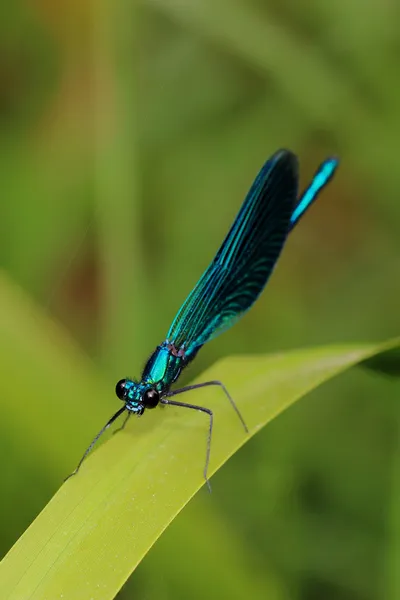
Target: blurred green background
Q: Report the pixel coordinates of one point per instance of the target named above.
(130, 133)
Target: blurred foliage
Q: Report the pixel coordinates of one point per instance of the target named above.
(130, 132)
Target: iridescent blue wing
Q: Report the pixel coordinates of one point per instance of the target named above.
(322, 176)
(245, 260)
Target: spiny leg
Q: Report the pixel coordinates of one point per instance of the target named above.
(196, 386)
(210, 414)
(102, 430)
(124, 423)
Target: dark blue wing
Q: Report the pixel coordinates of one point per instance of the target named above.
(322, 176)
(245, 260)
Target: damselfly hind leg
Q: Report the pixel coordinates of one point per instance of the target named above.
(197, 386)
(209, 412)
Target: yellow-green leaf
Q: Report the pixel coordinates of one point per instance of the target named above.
(101, 523)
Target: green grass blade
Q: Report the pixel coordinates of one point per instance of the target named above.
(47, 379)
(100, 524)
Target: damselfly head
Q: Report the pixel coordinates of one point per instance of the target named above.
(130, 392)
(137, 396)
(122, 388)
(151, 398)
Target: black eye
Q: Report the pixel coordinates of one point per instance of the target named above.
(120, 389)
(151, 398)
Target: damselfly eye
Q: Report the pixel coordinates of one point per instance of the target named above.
(120, 389)
(151, 398)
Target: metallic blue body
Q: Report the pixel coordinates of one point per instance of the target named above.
(226, 290)
(161, 371)
(236, 276)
